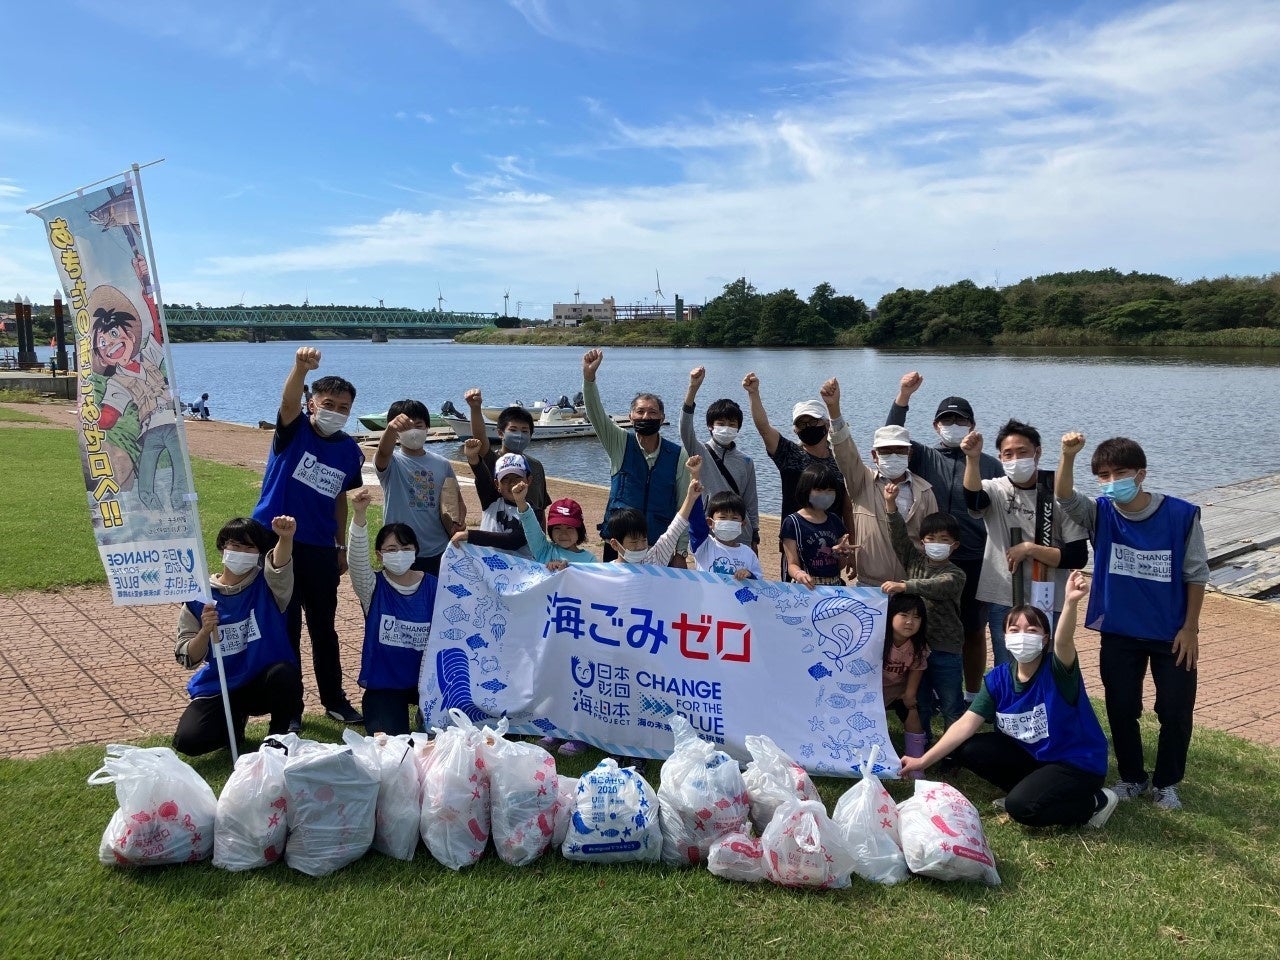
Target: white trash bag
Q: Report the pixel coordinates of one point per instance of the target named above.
(454, 820)
(395, 829)
(738, 856)
(701, 797)
(868, 816)
(567, 790)
(165, 811)
(333, 799)
(803, 848)
(771, 778)
(942, 835)
(523, 799)
(253, 811)
(615, 818)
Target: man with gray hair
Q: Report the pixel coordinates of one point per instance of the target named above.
(647, 471)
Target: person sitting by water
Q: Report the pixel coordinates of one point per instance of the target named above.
(397, 602)
(515, 432)
(1048, 751)
(734, 471)
(418, 486)
(809, 422)
(248, 621)
(647, 471)
(890, 446)
(201, 407)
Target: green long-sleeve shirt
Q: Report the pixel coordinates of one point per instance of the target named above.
(938, 584)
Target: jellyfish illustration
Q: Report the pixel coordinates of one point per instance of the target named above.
(845, 625)
(498, 626)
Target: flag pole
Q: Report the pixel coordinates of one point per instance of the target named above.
(202, 564)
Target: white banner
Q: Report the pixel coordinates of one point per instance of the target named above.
(606, 653)
(132, 443)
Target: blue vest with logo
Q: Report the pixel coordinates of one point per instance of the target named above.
(652, 492)
(1044, 724)
(395, 634)
(1137, 588)
(254, 635)
(305, 479)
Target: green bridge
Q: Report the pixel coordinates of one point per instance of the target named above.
(376, 320)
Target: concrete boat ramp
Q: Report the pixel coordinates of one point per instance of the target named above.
(1242, 534)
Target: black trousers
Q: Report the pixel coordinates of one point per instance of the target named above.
(1039, 794)
(315, 593)
(1122, 664)
(202, 728)
(387, 711)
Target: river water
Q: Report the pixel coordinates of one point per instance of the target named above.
(1205, 418)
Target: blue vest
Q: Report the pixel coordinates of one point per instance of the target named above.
(652, 492)
(1047, 726)
(254, 636)
(305, 479)
(1137, 589)
(395, 634)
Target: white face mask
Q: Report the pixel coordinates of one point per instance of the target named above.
(398, 561)
(724, 435)
(634, 556)
(937, 551)
(1024, 647)
(953, 433)
(891, 465)
(822, 501)
(328, 422)
(238, 562)
(1021, 470)
(727, 531)
(413, 439)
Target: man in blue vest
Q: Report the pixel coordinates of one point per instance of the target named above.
(647, 471)
(1150, 571)
(312, 465)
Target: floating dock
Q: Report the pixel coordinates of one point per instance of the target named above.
(1242, 534)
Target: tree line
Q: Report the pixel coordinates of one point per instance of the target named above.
(1079, 307)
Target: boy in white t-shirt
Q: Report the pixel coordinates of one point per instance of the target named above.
(722, 552)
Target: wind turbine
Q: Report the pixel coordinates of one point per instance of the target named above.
(506, 298)
(576, 292)
(440, 300)
(657, 294)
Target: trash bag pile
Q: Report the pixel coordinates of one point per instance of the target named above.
(468, 789)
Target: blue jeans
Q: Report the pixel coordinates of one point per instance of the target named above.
(941, 690)
(995, 623)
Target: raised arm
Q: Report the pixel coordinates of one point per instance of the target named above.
(486, 489)
(304, 361)
(612, 437)
(854, 471)
(1064, 481)
(1064, 636)
(479, 429)
(768, 433)
(387, 443)
(688, 433)
(359, 566)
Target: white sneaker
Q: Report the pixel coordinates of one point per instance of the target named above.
(1166, 798)
(1110, 800)
(1128, 789)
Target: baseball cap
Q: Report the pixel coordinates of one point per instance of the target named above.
(565, 513)
(809, 408)
(891, 437)
(510, 463)
(957, 405)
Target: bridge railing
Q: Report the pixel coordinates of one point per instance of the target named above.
(252, 317)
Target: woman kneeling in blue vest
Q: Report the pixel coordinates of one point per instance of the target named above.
(1048, 751)
(397, 602)
(249, 621)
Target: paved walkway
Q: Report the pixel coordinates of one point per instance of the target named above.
(74, 669)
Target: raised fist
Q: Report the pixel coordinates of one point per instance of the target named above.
(360, 500)
(473, 397)
(751, 383)
(284, 526)
(696, 376)
(971, 445)
(399, 423)
(307, 358)
(471, 449)
(1072, 443)
(910, 382)
(591, 361)
(830, 394)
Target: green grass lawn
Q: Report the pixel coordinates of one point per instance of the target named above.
(1201, 883)
(9, 415)
(46, 530)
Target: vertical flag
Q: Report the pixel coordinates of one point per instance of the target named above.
(132, 439)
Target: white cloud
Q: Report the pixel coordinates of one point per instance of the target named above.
(1146, 141)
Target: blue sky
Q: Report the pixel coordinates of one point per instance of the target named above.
(350, 152)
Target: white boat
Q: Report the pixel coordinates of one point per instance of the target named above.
(556, 422)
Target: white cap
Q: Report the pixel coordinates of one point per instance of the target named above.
(510, 463)
(890, 436)
(809, 408)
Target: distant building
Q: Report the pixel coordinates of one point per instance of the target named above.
(572, 314)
